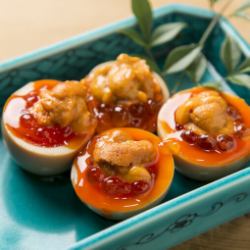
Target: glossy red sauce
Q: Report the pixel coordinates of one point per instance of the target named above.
(22, 123)
(113, 185)
(138, 115)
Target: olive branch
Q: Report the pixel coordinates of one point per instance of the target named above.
(189, 58)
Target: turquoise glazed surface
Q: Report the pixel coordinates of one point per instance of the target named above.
(46, 214)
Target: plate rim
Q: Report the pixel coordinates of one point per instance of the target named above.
(107, 235)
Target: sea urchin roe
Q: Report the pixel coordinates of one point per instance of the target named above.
(208, 121)
(22, 123)
(126, 79)
(64, 105)
(208, 111)
(124, 154)
(138, 172)
(122, 166)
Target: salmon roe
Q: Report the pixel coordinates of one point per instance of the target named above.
(139, 115)
(112, 184)
(220, 142)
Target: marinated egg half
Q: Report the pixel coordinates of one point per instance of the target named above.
(125, 93)
(45, 123)
(207, 131)
(122, 172)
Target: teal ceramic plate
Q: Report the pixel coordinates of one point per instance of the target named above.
(46, 214)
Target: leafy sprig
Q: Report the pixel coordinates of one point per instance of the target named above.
(231, 56)
(146, 36)
(187, 58)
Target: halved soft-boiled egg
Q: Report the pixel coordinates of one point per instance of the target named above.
(207, 131)
(122, 171)
(45, 123)
(125, 93)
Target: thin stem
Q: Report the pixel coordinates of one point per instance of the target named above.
(151, 56)
(209, 30)
(178, 84)
(211, 5)
(213, 23)
(175, 88)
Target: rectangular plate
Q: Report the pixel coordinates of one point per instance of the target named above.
(46, 214)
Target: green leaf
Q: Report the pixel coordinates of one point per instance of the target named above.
(143, 13)
(243, 15)
(181, 57)
(242, 11)
(245, 70)
(240, 79)
(230, 54)
(134, 36)
(197, 69)
(166, 32)
(245, 66)
(244, 6)
(214, 85)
